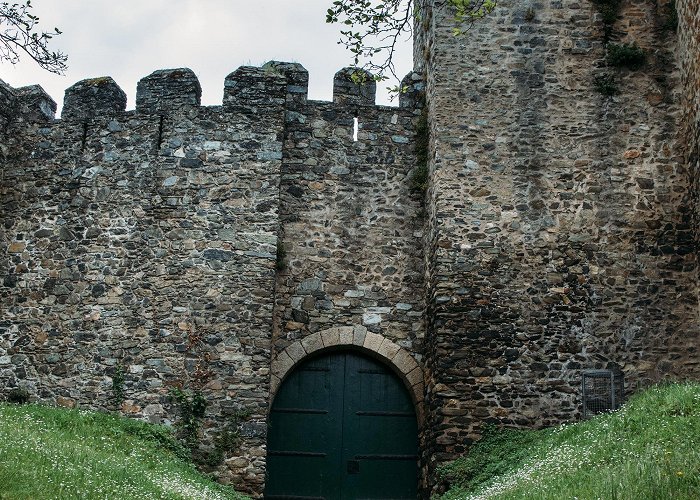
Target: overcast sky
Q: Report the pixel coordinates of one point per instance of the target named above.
(129, 39)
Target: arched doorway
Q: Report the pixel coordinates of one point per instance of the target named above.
(342, 426)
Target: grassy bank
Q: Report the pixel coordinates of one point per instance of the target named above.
(650, 449)
(49, 453)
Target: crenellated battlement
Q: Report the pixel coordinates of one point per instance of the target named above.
(166, 90)
(248, 89)
(93, 97)
(26, 104)
(297, 79)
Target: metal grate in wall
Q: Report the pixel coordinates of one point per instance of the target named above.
(603, 390)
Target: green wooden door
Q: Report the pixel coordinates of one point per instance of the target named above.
(342, 427)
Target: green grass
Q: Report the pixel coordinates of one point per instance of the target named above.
(49, 453)
(649, 449)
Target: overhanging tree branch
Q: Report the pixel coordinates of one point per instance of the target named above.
(19, 35)
(376, 26)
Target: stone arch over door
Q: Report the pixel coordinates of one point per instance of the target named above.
(357, 338)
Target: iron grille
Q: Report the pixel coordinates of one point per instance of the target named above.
(603, 390)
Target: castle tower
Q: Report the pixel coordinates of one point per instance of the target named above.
(561, 228)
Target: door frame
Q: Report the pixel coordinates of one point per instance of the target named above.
(350, 349)
(355, 338)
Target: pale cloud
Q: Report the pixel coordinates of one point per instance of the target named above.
(128, 39)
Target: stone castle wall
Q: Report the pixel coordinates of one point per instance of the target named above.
(7, 101)
(147, 241)
(144, 240)
(212, 248)
(561, 233)
(688, 50)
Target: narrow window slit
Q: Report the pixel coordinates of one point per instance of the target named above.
(159, 141)
(356, 128)
(83, 140)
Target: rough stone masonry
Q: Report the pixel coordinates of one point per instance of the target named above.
(150, 242)
(213, 248)
(561, 221)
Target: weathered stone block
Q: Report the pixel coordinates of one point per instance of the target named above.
(296, 351)
(415, 376)
(358, 335)
(312, 343)
(346, 335)
(281, 365)
(388, 349)
(404, 362)
(373, 341)
(330, 337)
